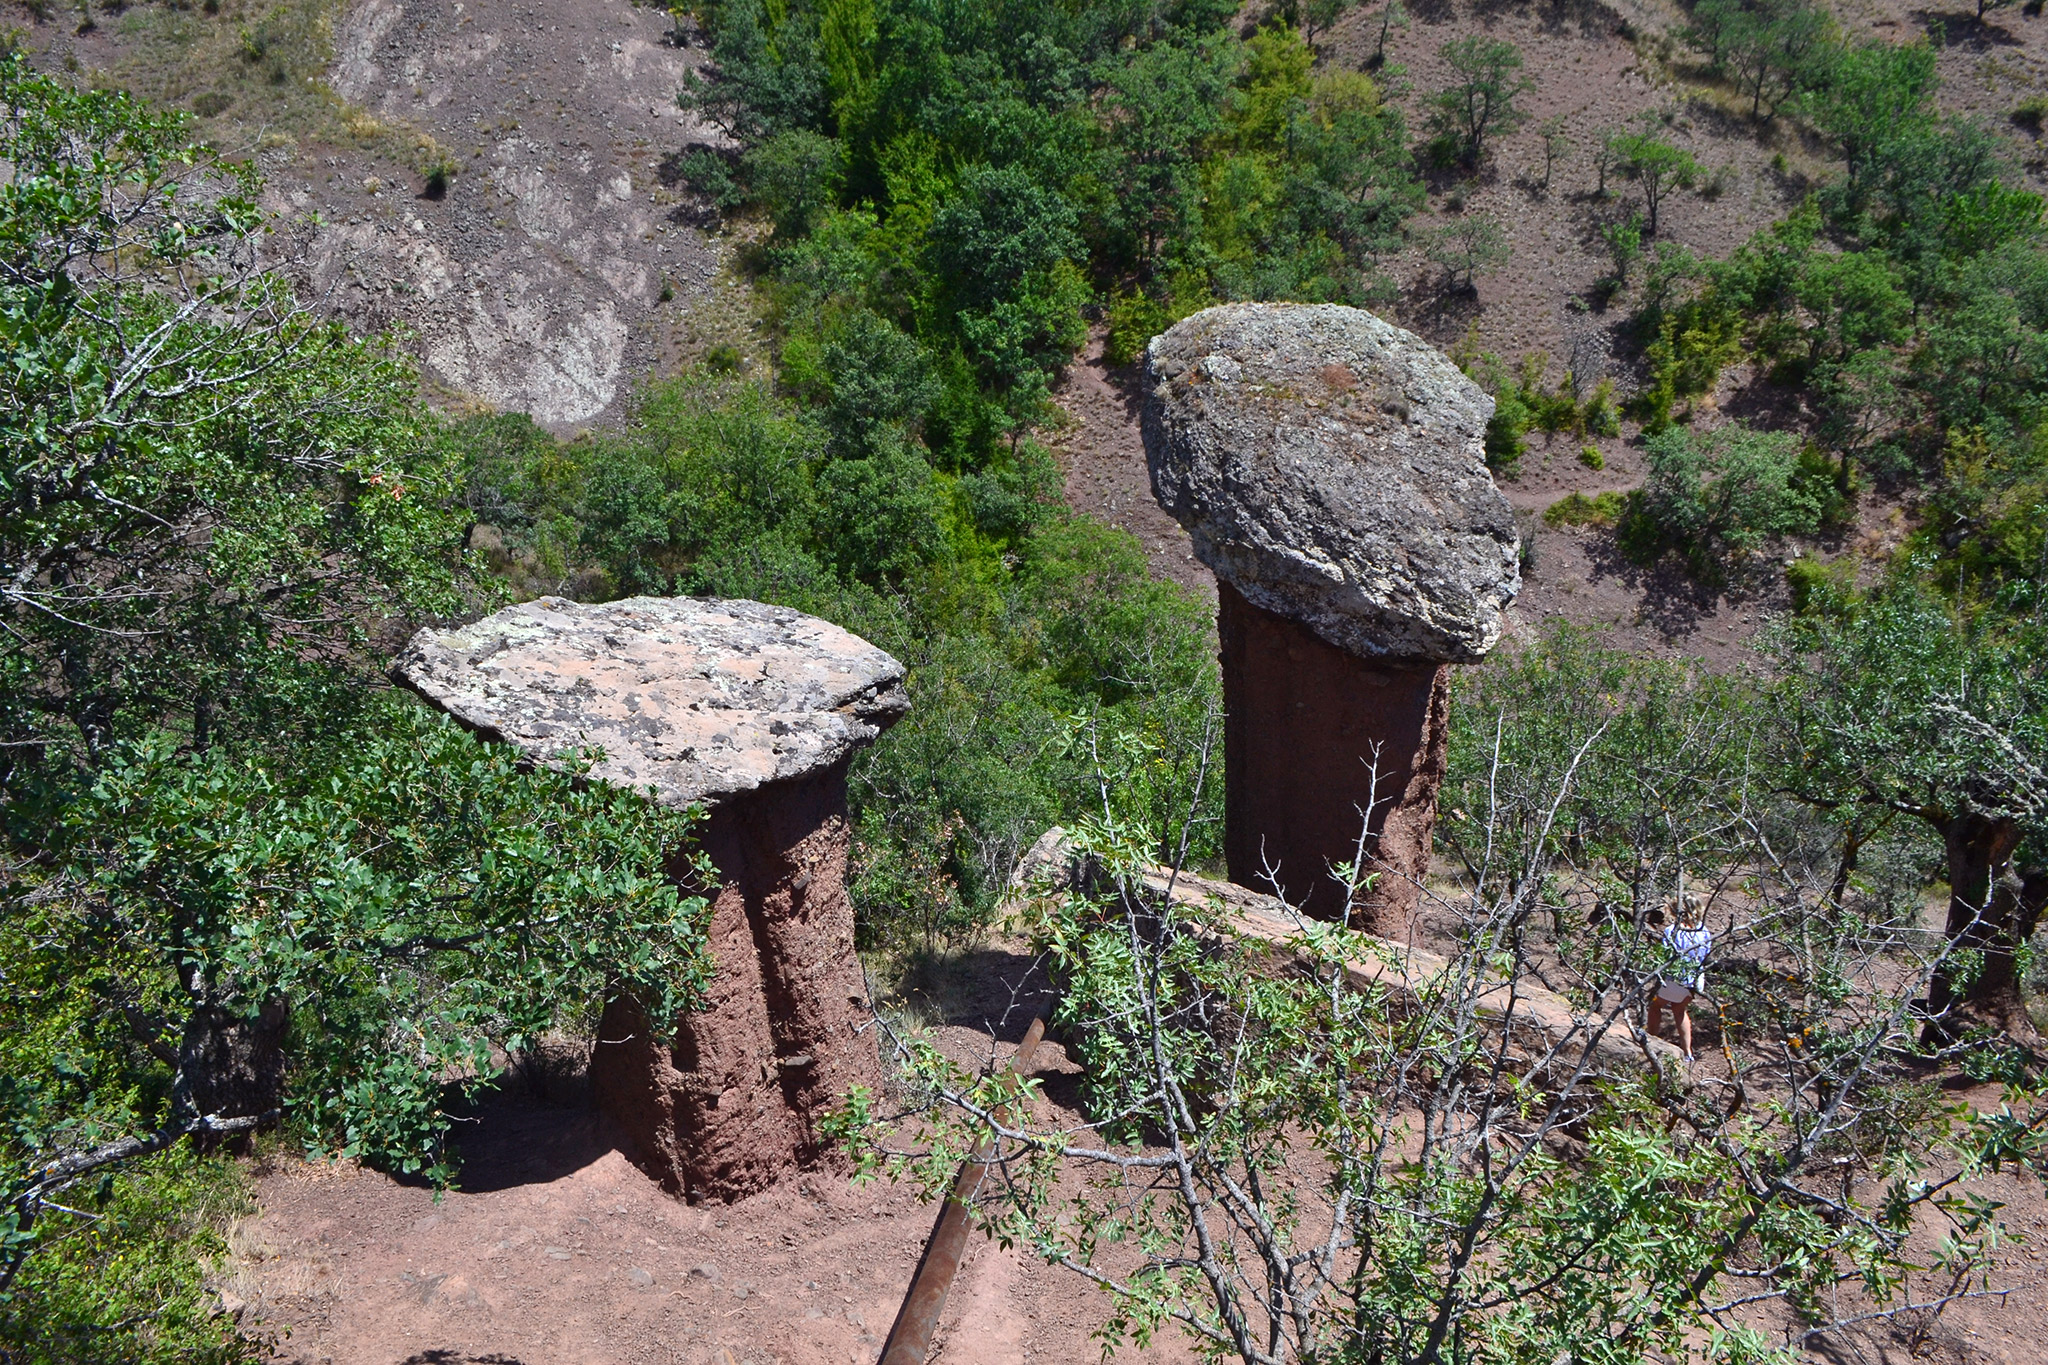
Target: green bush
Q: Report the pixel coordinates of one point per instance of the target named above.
(1719, 495)
(1134, 320)
(1522, 400)
(1576, 509)
(1820, 585)
(1591, 458)
(123, 1280)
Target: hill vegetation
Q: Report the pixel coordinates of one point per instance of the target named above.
(248, 888)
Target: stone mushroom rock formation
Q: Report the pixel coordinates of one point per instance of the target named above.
(1329, 468)
(752, 712)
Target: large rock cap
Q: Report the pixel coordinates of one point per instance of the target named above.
(696, 698)
(1330, 467)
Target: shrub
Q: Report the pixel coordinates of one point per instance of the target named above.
(1591, 458)
(1466, 247)
(437, 166)
(1134, 319)
(1576, 509)
(1506, 432)
(1599, 416)
(1523, 400)
(1820, 585)
(123, 1279)
(708, 173)
(796, 176)
(1720, 494)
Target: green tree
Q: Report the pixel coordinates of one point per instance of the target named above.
(881, 385)
(1725, 492)
(241, 885)
(1317, 16)
(1004, 245)
(1871, 97)
(1481, 104)
(1162, 104)
(1467, 245)
(1769, 49)
(796, 174)
(1898, 703)
(1657, 166)
(1393, 15)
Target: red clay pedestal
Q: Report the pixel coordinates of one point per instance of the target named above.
(1305, 724)
(734, 1102)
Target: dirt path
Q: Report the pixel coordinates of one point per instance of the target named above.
(558, 1251)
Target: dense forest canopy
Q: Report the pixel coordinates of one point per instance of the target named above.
(247, 887)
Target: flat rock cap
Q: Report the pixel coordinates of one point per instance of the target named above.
(1330, 467)
(696, 698)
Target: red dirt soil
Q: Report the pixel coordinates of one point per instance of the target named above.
(558, 1251)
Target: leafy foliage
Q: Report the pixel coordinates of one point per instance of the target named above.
(1306, 1144)
(1723, 493)
(128, 1282)
(241, 885)
(1481, 105)
(1896, 704)
(1907, 297)
(975, 178)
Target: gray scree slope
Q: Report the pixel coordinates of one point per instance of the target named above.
(696, 698)
(1329, 466)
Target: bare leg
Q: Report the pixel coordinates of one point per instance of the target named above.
(1684, 1013)
(1656, 1014)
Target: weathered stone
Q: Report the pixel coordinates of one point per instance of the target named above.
(1329, 466)
(753, 712)
(697, 699)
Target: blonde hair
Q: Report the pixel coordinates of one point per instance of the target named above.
(1688, 910)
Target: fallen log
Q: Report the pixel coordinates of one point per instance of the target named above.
(1540, 1021)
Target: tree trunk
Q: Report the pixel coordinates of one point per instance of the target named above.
(1987, 915)
(231, 1066)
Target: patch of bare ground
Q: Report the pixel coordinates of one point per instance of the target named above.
(556, 1250)
(1102, 463)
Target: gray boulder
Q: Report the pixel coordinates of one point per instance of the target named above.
(698, 699)
(1329, 466)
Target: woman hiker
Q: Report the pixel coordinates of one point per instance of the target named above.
(1686, 942)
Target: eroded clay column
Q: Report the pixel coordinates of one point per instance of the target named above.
(753, 712)
(1330, 469)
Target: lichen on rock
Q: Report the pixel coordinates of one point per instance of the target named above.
(697, 699)
(1329, 466)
